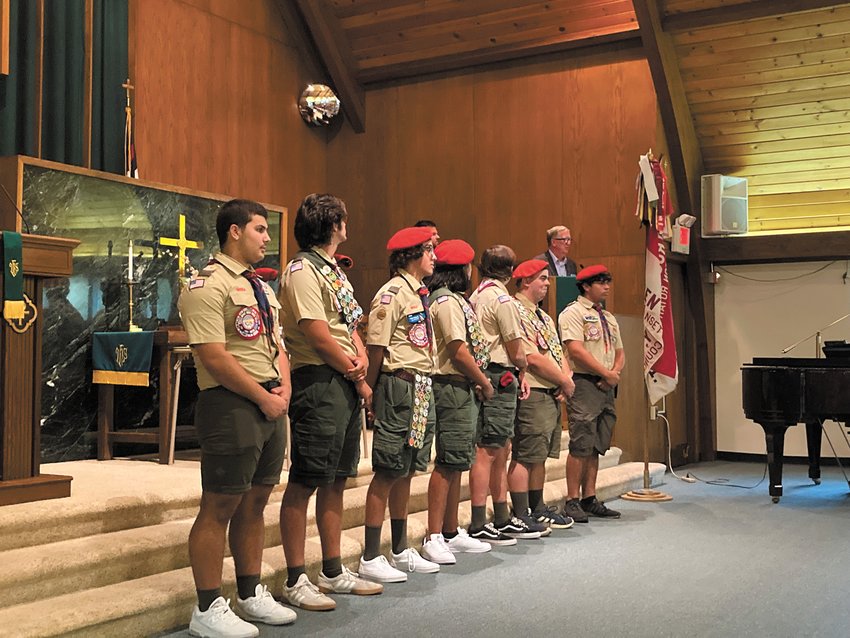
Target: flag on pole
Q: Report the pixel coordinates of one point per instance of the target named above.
(660, 365)
(131, 168)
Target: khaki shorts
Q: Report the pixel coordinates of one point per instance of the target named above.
(457, 417)
(239, 446)
(496, 416)
(538, 429)
(393, 404)
(592, 418)
(325, 421)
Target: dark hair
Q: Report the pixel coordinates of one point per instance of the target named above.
(400, 258)
(452, 277)
(603, 277)
(239, 212)
(316, 219)
(497, 262)
(424, 223)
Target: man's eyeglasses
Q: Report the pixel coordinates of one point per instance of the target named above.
(566, 240)
(428, 248)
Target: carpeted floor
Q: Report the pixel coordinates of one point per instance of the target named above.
(715, 561)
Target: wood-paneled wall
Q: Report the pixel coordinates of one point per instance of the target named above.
(216, 100)
(499, 155)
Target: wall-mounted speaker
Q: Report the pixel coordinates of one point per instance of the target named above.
(724, 205)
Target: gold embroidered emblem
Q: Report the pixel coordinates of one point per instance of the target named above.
(14, 267)
(121, 355)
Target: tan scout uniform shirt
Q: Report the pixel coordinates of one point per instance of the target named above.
(534, 339)
(306, 294)
(580, 322)
(449, 325)
(220, 303)
(394, 323)
(499, 318)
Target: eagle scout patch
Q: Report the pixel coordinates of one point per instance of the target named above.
(296, 266)
(196, 283)
(418, 335)
(248, 324)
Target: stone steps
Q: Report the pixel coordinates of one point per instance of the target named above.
(131, 576)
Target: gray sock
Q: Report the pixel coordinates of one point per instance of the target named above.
(373, 543)
(479, 516)
(206, 597)
(398, 526)
(520, 503)
(501, 514)
(247, 586)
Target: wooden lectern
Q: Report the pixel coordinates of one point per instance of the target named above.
(20, 381)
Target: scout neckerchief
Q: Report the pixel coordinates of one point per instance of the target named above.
(606, 329)
(547, 339)
(349, 310)
(422, 390)
(474, 336)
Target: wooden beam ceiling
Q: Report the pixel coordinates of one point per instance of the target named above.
(745, 10)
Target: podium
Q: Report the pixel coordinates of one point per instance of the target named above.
(20, 380)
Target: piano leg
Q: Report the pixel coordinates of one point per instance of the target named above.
(774, 436)
(814, 435)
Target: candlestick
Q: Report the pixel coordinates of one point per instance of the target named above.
(130, 262)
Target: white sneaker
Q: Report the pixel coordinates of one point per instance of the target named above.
(379, 570)
(348, 582)
(262, 607)
(219, 621)
(306, 595)
(464, 543)
(434, 548)
(411, 560)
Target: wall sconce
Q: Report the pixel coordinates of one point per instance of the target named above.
(318, 104)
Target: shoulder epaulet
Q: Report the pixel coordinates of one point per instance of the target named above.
(208, 270)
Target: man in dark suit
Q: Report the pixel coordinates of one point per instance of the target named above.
(559, 240)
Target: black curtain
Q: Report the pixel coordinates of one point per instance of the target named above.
(18, 119)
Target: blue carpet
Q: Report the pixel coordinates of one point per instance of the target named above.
(715, 561)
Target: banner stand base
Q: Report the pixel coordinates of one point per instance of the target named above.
(646, 495)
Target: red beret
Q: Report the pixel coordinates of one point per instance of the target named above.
(267, 274)
(454, 252)
(529, 268)
(344, 261)
(592, 271)
(409, 237)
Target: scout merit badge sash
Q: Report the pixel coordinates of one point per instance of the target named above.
(122, 358)
(422, 396)
(547, 338)
(349, 310)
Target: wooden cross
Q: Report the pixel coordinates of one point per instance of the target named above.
(182, 244)
(128, 87)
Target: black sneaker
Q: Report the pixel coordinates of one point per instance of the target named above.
(517, 527)
(597, 508)
(552, 517)
(573, 509)
(490, 534)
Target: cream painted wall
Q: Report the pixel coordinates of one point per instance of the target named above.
(761, 309)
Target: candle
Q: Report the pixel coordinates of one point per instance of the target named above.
(130, 262)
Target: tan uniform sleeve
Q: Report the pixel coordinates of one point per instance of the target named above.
(507, 316)
(304, 292)
(202, 313)
(383, 317)
(449, 319)
(571, 325)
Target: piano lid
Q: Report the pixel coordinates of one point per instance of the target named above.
(798, 362)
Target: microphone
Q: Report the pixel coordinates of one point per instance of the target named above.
(23, 219)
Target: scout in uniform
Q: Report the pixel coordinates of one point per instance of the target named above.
(328, 360)
(592, 338)
(243, 375)
(401, 359)
(500, 327)
(538, 423)
(462, 355)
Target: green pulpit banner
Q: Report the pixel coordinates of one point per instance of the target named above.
(122, 358)
(566, 292)
(14, 306)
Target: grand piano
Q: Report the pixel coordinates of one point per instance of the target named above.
(785, 391)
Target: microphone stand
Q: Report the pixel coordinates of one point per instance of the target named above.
(818, 335)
